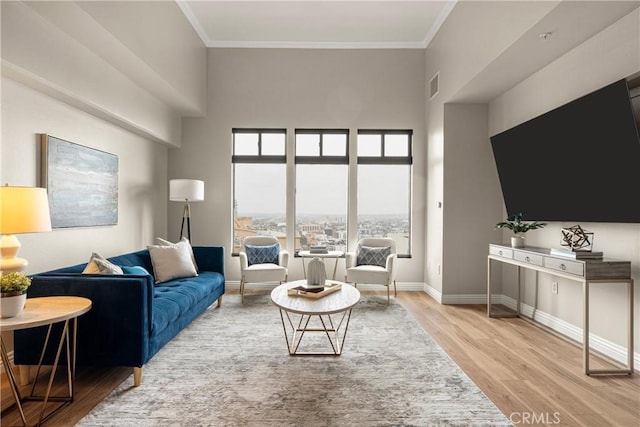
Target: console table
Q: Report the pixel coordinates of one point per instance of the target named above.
(587, 272)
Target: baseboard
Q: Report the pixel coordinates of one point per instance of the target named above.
(402, 286)
(573, 332)
(606, 347)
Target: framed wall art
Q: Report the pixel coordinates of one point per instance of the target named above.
(81, 182)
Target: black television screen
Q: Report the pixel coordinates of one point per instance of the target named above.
(579, 162)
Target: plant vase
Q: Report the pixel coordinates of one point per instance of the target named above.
(517, 241)
(316, 274)
(12, 303)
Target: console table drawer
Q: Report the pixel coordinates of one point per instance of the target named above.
(564, 266)
(500, 251)
(528, 258)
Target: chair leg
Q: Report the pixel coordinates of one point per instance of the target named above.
(395, 289)
(388, 295)
(242, 290)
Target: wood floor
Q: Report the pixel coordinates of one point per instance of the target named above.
(534, 377)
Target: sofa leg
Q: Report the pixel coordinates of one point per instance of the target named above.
(219, 301)
(137, 376)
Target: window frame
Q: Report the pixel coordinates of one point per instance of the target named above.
(253, 159)
(392, 160)
(321, 159)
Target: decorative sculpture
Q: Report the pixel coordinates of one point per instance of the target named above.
(316, 274)
(577, 239)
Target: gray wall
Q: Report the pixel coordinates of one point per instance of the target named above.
(608, 56)
(298, 88)
(461, 172)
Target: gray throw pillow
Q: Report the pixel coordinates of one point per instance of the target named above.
(370, 255)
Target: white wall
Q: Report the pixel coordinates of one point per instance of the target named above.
(142, 177)
(115, 60)
(608, 56)
(298, 88)
(474, 35)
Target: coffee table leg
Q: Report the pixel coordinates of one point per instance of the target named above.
(293, 333)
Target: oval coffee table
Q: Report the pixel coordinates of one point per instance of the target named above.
(333, 312)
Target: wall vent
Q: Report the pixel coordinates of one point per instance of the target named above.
(434, 86)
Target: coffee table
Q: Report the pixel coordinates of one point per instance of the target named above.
(333, 312)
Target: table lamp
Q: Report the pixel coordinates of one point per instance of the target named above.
(22, 210)
(186, 190)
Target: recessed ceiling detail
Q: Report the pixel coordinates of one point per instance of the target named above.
(317, 24)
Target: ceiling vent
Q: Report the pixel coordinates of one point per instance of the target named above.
(434, 86)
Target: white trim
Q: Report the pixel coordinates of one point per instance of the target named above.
(313, 45)
(191, 17)
(571, 331)
(606, 347)
(433, 292)
(444, 14)
(402, 286)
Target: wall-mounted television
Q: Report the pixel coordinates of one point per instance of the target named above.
(579, 162)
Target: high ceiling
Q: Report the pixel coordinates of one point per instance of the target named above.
(317, 24)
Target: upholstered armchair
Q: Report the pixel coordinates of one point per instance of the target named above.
(262, 261)
(372, 263)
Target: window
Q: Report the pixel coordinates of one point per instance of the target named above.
(259, 184)
(384, 186)
(322, 167)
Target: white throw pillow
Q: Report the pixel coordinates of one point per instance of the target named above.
(184, 241)
(98, 265)
(171, 262)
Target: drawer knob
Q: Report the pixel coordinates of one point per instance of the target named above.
(563, 267)
(527, 259)
(499, 252)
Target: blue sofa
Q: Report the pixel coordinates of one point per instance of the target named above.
(131, 317)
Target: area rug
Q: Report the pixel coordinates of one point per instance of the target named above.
(231, 367)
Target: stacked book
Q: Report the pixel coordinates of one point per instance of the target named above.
(576, 254)
(314, 292)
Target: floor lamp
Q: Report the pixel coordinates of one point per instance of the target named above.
(22, 210)
(186, 190)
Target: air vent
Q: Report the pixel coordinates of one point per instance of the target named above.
(433, 86)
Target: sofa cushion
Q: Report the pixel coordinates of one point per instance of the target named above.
(171, 262)
(267, 254)
(172, 299)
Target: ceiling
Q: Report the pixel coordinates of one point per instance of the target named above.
(317, 24)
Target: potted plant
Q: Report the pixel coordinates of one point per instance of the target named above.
(13, 293)
(518, 227)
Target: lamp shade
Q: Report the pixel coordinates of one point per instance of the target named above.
(190, 190)
(24, 210)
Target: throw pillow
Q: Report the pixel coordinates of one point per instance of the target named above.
(98, 265)
(171, 262)
(135, 269)
(183, 241)
(369, 255)
(262, 254)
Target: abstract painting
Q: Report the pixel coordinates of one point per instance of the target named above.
(82, 184)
